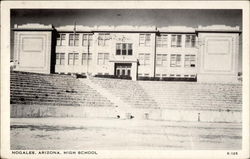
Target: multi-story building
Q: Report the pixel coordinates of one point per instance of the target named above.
(206, 53)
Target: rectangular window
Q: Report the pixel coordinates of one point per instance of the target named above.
(124, 49)
(190, 41)
(73, 39)
(86, 58)
(61, 39)
(60, 58)
(176, 41)
(103, 58)
(87, 40)
(73, 58)
(144, 58)
(103, 39)
(118, 49)
(161, 59)
(175, 60)
(189, 61)
(162, 40)
(130, 50)
(76, 40)
(144, 40)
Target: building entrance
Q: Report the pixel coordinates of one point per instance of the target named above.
(123, 69)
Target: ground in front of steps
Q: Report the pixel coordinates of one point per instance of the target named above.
(122, 134)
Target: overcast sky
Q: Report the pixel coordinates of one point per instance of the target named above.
(158, 17)
(140, 17)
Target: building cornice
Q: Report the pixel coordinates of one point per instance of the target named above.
(128, 29)
(33, 27)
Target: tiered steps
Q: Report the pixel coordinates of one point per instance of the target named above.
(128, 91)
(195, 96)
(53, 90)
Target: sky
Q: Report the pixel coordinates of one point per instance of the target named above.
(158, 17)
(138, 17)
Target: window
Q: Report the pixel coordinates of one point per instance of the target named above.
(190, 41)
(103, 39)
(118, 49)
(124, 49)
(86, 58)
(73, 58)
(144, 59)
(175, 60)
(60, 58)
(162, 40)
(158, 75)
(103, 58)
(176, 41)
(61, 40)
(73, 39)
(189, 61)
(161, 59)
(144, 40)
(87, 40)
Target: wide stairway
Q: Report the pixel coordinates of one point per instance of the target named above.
(53, 90)
(128, 91)
(195, 96)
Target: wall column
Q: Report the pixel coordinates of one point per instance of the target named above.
(134, 71)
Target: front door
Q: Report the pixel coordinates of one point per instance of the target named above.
(123, 69)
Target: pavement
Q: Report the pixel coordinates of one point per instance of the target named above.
(122, 134)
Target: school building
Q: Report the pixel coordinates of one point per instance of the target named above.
(207, 53)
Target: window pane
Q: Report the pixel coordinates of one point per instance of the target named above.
(100, 59)
(118, 49)
(130, 46)
(193, 41)
(187, 61)
(158, 41)
(173, 40)
(178, 40)
(147, 59)
(70, 62)
(76, 57)
(130, 49)
(90, 39)
(57, 59)
(62, 61)
(106, 58)
(178, 61)
(106, 39)
(130, 52)
(100, 40)
(192, 61)
(147, 40)
(84, 58)
(173, 60)
(76, 39)
(124, 51)
(141, 39)
(85, 40)
(158, 59)
(164, 41)
(164, 60)
(71, 39)
(89, 56)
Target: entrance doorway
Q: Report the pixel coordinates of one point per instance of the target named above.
(123, 69)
